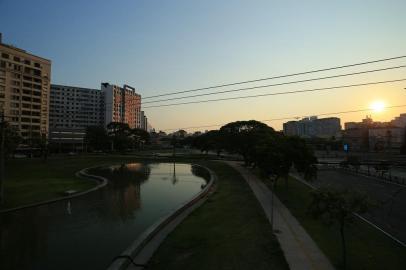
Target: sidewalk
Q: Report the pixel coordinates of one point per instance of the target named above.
(301, 252)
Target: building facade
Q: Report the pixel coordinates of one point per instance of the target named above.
(399, 121)
(122, 104)
(369, 135)
(72, 109)
(24, 90)
(144, 121)
(385, 138)
(313, 127)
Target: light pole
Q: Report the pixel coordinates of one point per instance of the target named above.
(272, 202)
(2, 156)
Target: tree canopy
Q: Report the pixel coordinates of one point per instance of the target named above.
(241, 137)
(261, 146)
(338, 207)
(117, 137)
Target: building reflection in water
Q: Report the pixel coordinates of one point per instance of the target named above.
(174, 178)
(62, 235)
(122, 196)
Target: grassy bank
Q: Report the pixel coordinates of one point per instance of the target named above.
(32, 180)
(367, 247)
(230, 231)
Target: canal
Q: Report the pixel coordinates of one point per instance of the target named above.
(88, 231)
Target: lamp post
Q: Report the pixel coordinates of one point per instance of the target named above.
(272, 201)
(2, 156)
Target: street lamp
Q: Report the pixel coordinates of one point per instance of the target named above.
(3, 124)
(272, 200)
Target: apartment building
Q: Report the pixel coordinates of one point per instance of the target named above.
(24, 90)
(144, 121)
(399, 121)
(313, 127)
(122, 104)
(72, 109)
(369, 135)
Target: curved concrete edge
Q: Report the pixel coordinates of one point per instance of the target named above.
(148, 235)
(81, 174)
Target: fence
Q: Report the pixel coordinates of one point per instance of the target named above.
(386, 176)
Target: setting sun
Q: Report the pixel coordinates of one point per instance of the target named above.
(377, 106)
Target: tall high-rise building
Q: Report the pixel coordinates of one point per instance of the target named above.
(72, 110)
(122, 104)
(24, 90)
(144, 121)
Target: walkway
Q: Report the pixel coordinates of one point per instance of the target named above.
(301, 252)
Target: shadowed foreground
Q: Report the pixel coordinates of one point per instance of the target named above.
(230, 231)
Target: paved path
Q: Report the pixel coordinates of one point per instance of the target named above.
(301, 252)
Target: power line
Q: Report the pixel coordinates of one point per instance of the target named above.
(279, 84)
(279, 76)
(292, 117)
(277, 94)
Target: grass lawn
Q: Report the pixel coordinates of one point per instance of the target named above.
(32, 180)
(367, 247)
(229, 231)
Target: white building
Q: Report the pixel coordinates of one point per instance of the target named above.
(313, 127)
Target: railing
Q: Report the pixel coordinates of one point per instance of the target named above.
(386, 176)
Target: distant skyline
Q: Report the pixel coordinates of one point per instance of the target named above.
(166, 46)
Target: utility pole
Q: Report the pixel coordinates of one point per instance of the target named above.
(2, 156)
(272, 205)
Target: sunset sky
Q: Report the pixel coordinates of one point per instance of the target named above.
(166, 46)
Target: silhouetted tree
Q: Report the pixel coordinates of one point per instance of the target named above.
(96, 138)
(181, 133)
(338, 207)
(272, 157)
(11, 140)
(241, 137)
(277, 154)
(302, 157)
(139, 137)
(209, 141)
(119, 134)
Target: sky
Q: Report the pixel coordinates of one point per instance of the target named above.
(166, 46)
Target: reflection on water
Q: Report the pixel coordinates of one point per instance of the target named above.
(89, 231)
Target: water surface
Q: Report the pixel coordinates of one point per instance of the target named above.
(87, 232)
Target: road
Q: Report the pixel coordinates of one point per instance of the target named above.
(390, 212)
